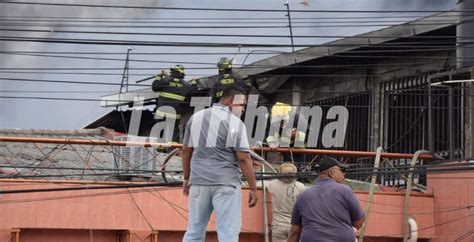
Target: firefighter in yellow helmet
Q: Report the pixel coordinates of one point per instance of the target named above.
(283, 131)
(173, 91)
(226, 78)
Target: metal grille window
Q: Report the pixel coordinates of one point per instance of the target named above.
(359, 124)
(406, 117)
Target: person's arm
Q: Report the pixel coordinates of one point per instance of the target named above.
(355, 210)
(358, 223)
(246, 165)
(186, 154)
(159, 83)
(295, 233)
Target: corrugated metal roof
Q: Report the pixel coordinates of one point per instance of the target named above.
(25, 158)
(120, 121)
(417, 27)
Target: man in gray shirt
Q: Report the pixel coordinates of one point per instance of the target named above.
(328, 210)
(215, 146)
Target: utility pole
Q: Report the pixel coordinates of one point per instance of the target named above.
(287, 4)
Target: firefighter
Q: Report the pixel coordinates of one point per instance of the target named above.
(226, 78)
(283, 131)
(173, 91)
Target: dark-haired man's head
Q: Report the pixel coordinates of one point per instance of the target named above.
(234, 97)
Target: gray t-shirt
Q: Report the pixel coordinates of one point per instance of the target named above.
(326, 212)
(215, 135)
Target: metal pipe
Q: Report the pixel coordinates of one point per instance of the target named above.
(264, 208)
(408, 191)
(371, 193)
(451, 128)
(430, 119)
(413, 230)
(158, 145)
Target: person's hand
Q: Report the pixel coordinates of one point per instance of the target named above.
(253, 198)
(291, 133)
(185, 188)
(273, 145)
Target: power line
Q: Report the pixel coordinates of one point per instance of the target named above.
(415, 37)
(249, 26)
(224, 35)
(211, 66)
(71, 82)
(217, 18)
(342, 20)
(233, 9)
(82, 195)
(135, 43)
(455, 15)
(433, 226)
(140, 210)
(423, 169)
(258, 177)
(41, 190)
(434, 93)
(418, 45)
(115, 59)
(348, 54)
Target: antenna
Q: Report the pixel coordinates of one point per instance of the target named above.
(124, 83)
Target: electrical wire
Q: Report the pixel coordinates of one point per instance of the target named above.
(353, 24)
(70, 82)
(223, 35)
(140, 211)
(248, 21)
(81, 195)
(232, 9)
(349, 54)
(236, 18)
(258, 177)
(430, 227)
(130, 101)
(418, 45)
(212, 65)
(423, 166)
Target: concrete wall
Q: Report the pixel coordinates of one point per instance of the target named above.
(453, 199)
(386, 214)
(442, 214)
(111, 212)
(164, 208)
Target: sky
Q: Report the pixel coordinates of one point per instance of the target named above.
(66, 64)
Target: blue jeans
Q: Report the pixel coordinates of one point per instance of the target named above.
(225, 201)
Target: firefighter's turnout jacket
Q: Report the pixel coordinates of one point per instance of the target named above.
(174, 92)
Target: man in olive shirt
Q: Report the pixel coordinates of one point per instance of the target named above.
(284, 192)
(328, 210)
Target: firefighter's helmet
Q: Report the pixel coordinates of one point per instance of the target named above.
(281, 111)
(179, 69)
(224, 64)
